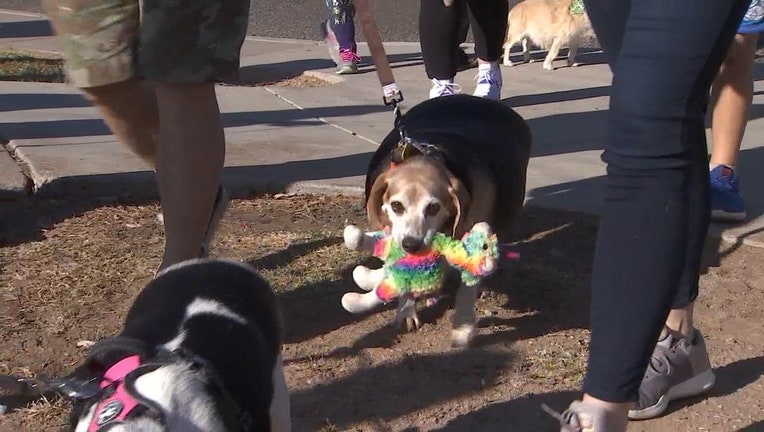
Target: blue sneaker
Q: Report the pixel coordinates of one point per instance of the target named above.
(726, 203)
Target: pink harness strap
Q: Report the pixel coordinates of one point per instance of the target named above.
(120, 403)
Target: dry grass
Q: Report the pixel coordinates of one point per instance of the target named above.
(73, 276)
(38, 66)
(34, 66)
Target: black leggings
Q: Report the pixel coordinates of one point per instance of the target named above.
(664, 55)
(439, 32)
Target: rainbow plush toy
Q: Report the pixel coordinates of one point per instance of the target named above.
(421, 274)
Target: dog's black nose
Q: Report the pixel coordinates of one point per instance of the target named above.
(412, 244)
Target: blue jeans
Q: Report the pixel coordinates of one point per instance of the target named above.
(664, 55)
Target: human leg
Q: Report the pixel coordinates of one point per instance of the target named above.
(99, 54)
(664, 57)
(731, 97)
(464, 60)
(206, 39)
(342, 23)
(489, 27)
(438, 34)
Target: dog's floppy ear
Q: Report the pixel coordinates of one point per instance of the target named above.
(377, 217)
(461, 199)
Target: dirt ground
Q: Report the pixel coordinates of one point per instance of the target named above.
(71, 269)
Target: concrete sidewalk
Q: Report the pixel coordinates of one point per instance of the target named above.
(317, 139)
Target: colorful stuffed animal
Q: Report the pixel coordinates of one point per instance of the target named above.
(417, 275)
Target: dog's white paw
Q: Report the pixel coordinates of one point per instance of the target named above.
(462, 336)
(353, 237)
(576, 64)
(508, 62)
(548, 66)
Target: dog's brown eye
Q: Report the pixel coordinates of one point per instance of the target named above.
(485, 246)
(432, 209)
(397, 207)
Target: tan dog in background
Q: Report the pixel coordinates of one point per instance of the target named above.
(549, 24)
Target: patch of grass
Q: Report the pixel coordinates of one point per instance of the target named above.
(32, 66)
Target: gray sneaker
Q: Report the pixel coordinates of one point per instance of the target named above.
(679, 368)
(218, 210)
(581, 417)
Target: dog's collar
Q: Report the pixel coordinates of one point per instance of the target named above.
(408, 147)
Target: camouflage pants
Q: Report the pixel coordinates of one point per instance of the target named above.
(172, 41)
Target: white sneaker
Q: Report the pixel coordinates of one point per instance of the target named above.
(488, 81)
(444, 88)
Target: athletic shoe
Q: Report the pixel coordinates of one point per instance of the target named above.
(488, 82)
(348, 62)
(444, 88)
(679, 368)
(726, 203)
(581, 417)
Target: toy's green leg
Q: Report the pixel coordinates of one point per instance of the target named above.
(465, 318)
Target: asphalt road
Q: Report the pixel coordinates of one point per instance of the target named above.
(300, 19)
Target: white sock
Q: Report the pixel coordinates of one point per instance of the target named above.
(445, 81)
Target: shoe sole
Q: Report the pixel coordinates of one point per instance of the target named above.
(347, 70)
(724, 216)
(694, 386)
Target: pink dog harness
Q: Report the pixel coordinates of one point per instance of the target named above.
(120, 403)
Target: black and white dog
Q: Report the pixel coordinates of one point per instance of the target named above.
(200, 350)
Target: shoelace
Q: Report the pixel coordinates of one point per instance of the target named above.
(486, 77)
(348, 56)
(566, 419)
(447, 88)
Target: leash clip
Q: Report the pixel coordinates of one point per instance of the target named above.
(392, 95)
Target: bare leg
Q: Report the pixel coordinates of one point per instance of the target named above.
(680, 320)
(731, 97)
(189, 162)
(129, 108)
